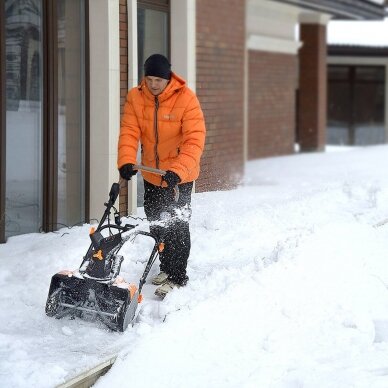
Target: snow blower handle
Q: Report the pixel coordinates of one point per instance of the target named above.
(158, 172)
(114, 193)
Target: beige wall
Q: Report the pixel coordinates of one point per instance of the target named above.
(104, 100)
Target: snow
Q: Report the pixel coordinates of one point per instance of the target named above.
(377, 1)
(363, 33)
(288, 288)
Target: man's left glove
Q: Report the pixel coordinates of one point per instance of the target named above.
(171, 178)
(127, 171)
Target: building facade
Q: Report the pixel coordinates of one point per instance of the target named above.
(257, 66)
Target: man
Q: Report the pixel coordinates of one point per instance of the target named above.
(165, 116)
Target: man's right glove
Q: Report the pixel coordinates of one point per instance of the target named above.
(127, 171)
(171, 178)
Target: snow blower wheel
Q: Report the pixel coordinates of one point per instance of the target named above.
(53, 305)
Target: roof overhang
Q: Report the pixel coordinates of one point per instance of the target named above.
(343, 9)
(356, 51)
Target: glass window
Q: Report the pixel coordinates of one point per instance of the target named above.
(71, 121)
(370, 73)
(24, 53)
(369, 113)
(356, 105)
(31, 168)
(339, 108)
(152, 35)
(338, 73)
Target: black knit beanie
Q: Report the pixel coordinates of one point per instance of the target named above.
(157, 65)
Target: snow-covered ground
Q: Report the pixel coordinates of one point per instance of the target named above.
(288, 288)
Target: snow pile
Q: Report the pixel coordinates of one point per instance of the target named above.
(288, 288)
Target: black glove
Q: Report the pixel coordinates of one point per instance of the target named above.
(171, 178)
(127, 171)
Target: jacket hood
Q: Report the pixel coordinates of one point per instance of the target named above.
(176, 83)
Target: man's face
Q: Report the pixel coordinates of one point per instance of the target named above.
(156, 85)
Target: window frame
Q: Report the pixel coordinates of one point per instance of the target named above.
(157, 5)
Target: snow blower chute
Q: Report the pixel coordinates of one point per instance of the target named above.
(96, 290)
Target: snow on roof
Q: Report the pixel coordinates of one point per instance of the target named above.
(364, 33)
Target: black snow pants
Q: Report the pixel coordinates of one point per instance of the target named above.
(173, 230)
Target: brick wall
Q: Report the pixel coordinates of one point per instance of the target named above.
(123, 201)
(220, 88)
(312, 87)
(271, 93)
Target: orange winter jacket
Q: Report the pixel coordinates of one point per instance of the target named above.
(170, 128)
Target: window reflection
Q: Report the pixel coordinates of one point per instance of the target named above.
(71, 128)
(356, 99)
(152, 35)
(24, 113)
(23, 40)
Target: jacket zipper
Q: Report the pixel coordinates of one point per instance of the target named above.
(156, 132)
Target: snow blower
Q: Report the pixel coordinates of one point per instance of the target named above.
(95, 290)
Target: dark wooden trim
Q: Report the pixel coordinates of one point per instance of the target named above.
(356, 51)
(2, 122)
(349, 79)
(87, 113)
(50, 117)
(157, 5)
